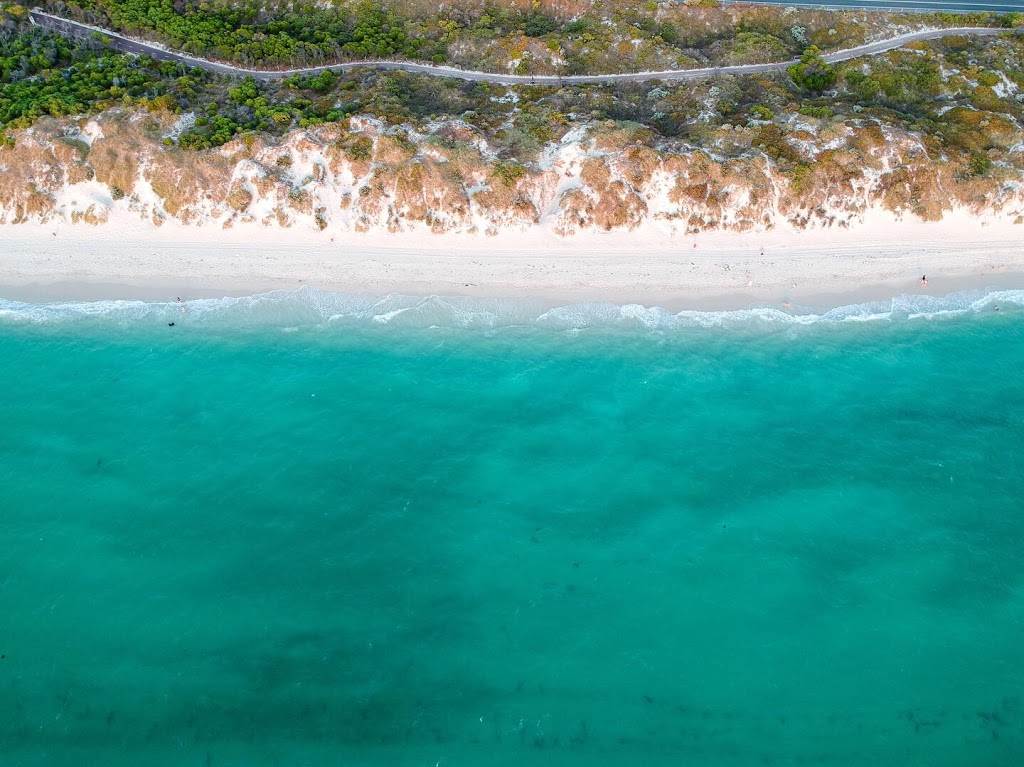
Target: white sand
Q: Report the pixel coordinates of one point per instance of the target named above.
(881, 257)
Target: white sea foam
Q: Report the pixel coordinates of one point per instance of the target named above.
(309, 307)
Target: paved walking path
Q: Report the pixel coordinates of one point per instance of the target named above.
(127, 45)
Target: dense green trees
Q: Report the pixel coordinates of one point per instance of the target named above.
(44, 74)
(379, 33)
(299, 34)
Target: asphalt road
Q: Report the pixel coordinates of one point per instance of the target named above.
(119, 43)
(949, 6)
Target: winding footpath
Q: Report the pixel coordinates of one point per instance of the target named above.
(127, 45)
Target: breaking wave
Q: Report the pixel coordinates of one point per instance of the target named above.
(309, 307)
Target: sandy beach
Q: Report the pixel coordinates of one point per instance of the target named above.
(653, 265)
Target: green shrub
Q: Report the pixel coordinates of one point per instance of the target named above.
(979, 165)
(509, 172)
(812, 73)
(537, 24)
(821, 113)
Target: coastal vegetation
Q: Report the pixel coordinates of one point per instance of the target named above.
(957, 101)
(42, 73)
(523, 36)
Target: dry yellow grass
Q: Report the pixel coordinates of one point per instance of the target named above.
(239, 199)
(393, 150)
(115, 156)
(92, 215)
(184, 185)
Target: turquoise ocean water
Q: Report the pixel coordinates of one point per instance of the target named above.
(309, 529)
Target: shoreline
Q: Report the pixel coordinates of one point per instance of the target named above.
(43, 292)
(652, 266)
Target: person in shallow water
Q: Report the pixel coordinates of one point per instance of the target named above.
(924, 280)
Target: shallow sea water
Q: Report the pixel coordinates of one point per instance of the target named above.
(278, 533)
